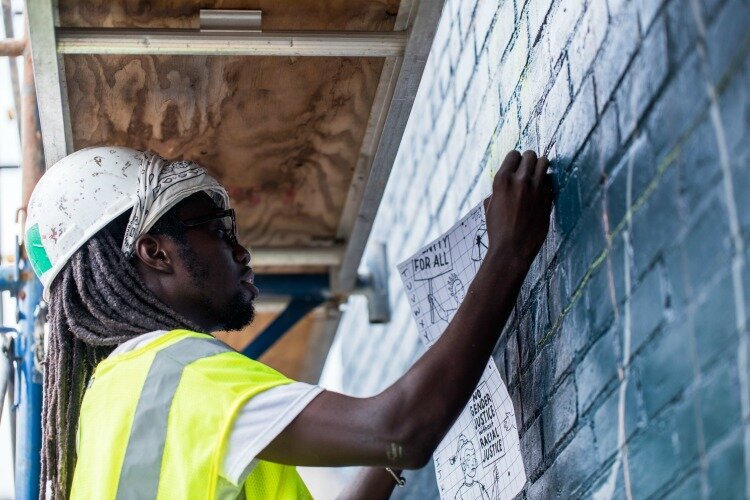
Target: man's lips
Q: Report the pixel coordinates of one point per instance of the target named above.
(248, 276)
(248, 279)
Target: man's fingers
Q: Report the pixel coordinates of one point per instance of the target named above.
(510, 164)
(528, 164)
(487, 202)
(540, 170)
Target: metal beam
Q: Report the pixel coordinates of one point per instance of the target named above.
(296, 310)
(29, 392)
(196, 42)
(422, 31)
(49, 75)
(12, 47)
(29, 345)
(291, 256)
(32, 147)
(374, 130)
(10, 33)
(295, 285)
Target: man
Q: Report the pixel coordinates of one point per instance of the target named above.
(140, 263)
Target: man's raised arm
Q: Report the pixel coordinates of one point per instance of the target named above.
(402, 426)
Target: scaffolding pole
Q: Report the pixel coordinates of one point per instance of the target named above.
(28, 346)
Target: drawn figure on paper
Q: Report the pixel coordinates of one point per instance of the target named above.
(509, 422)
(471, 488)
(435, 260)
(456, 290)
(480, 245)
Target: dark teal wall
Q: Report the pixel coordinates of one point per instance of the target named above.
(627, 353)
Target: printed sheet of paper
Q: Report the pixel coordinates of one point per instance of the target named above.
(480, 457)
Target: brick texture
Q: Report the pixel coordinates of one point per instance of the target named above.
(627, 353)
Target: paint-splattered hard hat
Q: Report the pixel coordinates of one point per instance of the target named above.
(88, 189)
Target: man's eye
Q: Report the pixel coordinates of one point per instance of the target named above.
(224, 234)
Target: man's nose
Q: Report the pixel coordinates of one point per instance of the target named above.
(241, 254)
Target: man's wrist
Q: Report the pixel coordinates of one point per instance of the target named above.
(506, 262)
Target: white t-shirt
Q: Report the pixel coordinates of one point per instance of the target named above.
(262, 418)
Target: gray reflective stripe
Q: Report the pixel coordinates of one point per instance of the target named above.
(141, 468)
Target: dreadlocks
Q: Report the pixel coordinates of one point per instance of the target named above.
(97, 302)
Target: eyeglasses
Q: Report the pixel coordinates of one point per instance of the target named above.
(227, 218)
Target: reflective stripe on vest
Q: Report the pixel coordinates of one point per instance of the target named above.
(141, 467)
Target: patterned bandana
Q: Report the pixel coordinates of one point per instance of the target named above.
(161, 185)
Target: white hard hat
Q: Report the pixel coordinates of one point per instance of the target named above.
(77, 197)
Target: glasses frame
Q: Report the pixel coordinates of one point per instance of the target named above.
(197, 221)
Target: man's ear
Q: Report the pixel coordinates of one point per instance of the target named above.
(155, 252)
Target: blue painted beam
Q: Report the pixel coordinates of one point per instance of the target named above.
(297, 308)
(8, 280)
(295, 285)
(28, 395)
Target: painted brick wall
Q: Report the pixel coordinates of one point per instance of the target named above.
(627, 353)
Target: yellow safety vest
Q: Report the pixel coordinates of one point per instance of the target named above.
(155, 423)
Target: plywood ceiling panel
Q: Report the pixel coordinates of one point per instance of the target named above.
(355, 15)
(282, 134)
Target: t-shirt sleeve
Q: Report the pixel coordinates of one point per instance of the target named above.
(263, 418)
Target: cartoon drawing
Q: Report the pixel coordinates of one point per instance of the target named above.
(437, 308)
(481, 243)
(456, 290)
(471, 488)
(509, 422)
(433, 261)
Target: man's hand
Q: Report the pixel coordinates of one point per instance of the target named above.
(519, 209)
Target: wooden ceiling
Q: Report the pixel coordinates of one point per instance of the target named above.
(329, 15)
(283, 134)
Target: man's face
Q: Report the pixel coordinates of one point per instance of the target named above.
(217, 280)
(469, 461)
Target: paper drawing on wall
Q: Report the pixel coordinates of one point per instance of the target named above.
(493, 458)
(471, 488)
(433, 261)
(480, 456)
(437, 277)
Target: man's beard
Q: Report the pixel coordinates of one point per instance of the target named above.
(238, 314)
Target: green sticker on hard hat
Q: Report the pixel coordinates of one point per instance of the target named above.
(37, 254)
